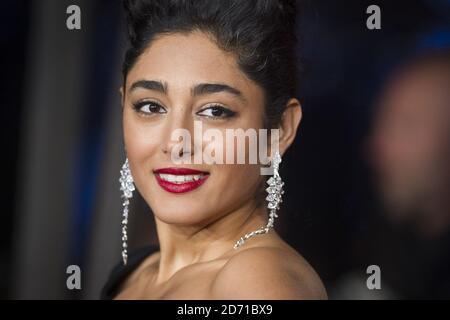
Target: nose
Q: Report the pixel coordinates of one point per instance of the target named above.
(182, 149)
(178, 142)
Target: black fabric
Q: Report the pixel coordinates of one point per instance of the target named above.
(120, 272)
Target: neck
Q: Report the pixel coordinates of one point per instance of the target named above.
(181, 245)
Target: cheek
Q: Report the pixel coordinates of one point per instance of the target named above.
(239, 182)
(141, 142)
(241, 143)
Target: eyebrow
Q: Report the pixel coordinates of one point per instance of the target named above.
(197, 90)
(149, 85)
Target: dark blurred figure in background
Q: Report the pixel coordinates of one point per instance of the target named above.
(410, 157)
(411, 145)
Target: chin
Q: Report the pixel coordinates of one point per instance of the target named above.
(184, 214)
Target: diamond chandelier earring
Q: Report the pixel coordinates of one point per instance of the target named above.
(274, 198)
(127, 188)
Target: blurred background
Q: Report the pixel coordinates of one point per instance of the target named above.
(367, 181)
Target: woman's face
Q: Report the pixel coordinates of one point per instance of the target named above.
(162, 93)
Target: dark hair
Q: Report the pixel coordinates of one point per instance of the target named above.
(261, 33)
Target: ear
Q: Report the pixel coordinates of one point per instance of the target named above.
(290, 121)
(122, 95)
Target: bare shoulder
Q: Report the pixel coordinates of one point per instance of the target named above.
(267, 273)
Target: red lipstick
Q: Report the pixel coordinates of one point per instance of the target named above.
(180, 180)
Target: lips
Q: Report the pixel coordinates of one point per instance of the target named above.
(180, 180)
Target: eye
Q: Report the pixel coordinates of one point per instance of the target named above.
(149, 107)
(216, 112)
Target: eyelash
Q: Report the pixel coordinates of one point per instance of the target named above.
(138, 107)
(228, 113)
(214, 107)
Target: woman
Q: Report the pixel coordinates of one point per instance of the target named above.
(224, 65)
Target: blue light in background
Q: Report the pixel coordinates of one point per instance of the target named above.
(102, 56)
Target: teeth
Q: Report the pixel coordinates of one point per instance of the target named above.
(180, 178)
